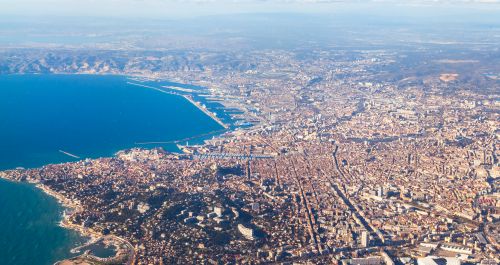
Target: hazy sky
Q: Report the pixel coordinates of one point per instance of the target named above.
(176, 8)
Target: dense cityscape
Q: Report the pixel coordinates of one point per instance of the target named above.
(350, 137)
(342, 161)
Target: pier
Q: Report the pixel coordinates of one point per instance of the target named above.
(69, 154)
(188, 98)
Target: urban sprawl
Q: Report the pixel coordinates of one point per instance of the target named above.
(331, 158)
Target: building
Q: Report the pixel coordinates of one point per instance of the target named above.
(364, 261)
(380, 191)
(433, 260)
(457, 249)
(247, 232)
(365, 239)
(219, 210)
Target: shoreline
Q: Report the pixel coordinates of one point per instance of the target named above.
(75, 207)
(93, 237)
(66, 204)
(64, 223)
(227, 125)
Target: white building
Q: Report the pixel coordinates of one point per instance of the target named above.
(365, 239)
(246, 231)
(433, 260)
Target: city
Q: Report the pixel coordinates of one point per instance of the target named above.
(341, 165)
(339, 136)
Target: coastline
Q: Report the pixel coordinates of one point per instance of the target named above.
(74, 207)
(66, 203)
(217, 114)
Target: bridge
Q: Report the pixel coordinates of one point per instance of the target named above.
(231, 156)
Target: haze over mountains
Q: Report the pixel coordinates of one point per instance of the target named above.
(193, 8)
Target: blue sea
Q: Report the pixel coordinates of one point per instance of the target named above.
(89, 116)
(29, 231)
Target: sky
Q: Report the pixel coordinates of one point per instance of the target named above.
(189, 8)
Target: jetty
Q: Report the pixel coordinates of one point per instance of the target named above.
(152, 87)
(69, 154)
(188, 98)
(181, 140)
(207, 112)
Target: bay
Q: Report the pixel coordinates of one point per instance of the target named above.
(44, 117)
(47, 118)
